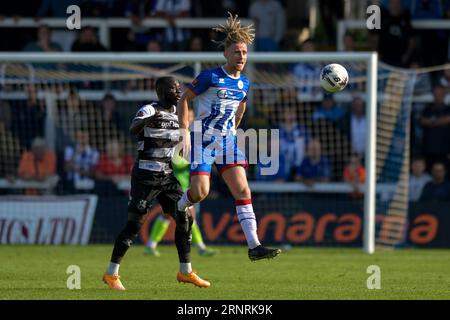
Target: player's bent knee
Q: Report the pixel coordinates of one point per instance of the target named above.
(242, 193)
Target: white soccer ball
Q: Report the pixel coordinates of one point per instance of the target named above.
(333, 77)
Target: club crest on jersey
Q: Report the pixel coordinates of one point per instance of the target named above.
(240, 84)
(222, 81)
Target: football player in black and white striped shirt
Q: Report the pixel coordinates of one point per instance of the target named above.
(157, 129)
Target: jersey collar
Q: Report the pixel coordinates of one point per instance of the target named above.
(232, 77)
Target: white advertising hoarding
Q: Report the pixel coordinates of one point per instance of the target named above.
(46, 219)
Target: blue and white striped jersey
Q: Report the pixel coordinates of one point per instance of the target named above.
(218, 97)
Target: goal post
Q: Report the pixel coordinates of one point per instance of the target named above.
(198, 61)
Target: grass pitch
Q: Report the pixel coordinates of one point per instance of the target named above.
(39, 272)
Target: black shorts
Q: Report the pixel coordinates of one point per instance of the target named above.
(146, 188)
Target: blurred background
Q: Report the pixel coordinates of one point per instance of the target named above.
(76, 141)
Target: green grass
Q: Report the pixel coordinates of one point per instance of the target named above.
(39, 272)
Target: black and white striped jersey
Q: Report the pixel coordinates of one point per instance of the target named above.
(157, 141)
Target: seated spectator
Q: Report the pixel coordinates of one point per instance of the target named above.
(307, 73)
(329, 110)
(43, 42)
(174, 38)
(113, 167)
(269, 27)
(285, 168)
(418, 178)
(80, 162)
(315, 167)
(438, 189)
(87, 41)
(107, 115)
(355, 174)
(293, 139)
(38, 164)
(114, 164)
(435, 121)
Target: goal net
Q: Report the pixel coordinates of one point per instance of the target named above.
(321, 193)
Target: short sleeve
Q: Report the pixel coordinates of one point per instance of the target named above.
(145, 112)
(201, 83)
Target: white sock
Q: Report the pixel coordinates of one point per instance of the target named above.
(247, 219)
(152, 244)
(113, 268)
(184, 202)
(185, 268)
(201, 246)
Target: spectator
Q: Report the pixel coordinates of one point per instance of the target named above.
(102, 8)
(418, 178)
(114, 164)
(349, 42)
(315, 167)
(73, 117)
(28, 117)
(80, 162)
(10, 149)
(270, 24)
(330, 12)
(39, 164)
(87, 41)
(108, 112)
(153, 46)
(55, 8)
(293, 139)
(438, 189)
(329, 110)
(394, 41)
(174, 38)
(307, 73)
(355, 174)
(356, 125)
(196, 44)
(43, 42)
(432, 51)
(435, 121)
(113, 167)
(139, 35)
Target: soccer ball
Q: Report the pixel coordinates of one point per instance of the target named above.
(333, 77)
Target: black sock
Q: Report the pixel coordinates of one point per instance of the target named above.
(124, 240)
(183, 236)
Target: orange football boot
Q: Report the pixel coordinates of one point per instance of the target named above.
(113, 281)
(193, 278)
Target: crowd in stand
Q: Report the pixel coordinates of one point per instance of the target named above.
(306, 155)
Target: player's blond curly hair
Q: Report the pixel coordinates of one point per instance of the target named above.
(234, 32)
